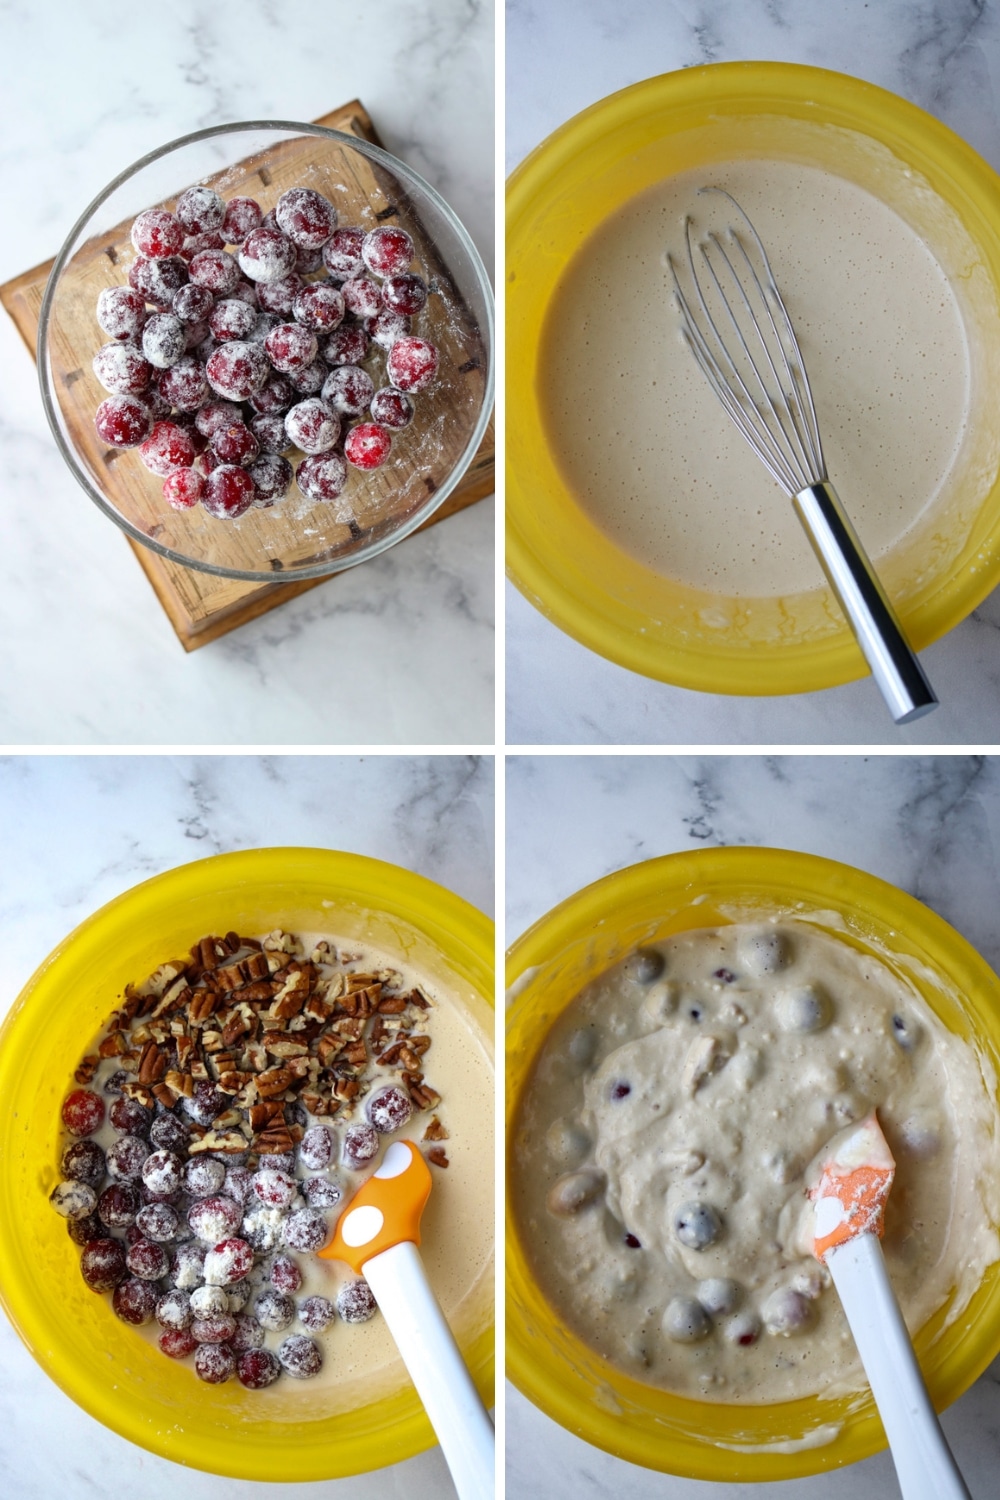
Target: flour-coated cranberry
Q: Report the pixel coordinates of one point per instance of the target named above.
(276, 396)
(228, 1261)
(280, 1161)
(322, 476)
(164, 339)
(235, 444)
(300, 1357)
(257, 1368)
(387, 251)
(266, 255)
(134, 1301)
(214, 1363)
(312, 425)
(272, 476)
(203, 1176)
(83, 1112)
(209, 418)
(412, 364)
(206, 349)
(306, 217)
(342, 253)
(348, 390)
(167, 448)
(391, 408)
(147, 1260)
(249, 1333)
(102, 1264)
(83, 1161)
(168, 1133)
(265, 322)
(405, 294)
(245, 291)
(361, 1146)
(237, 1183)
(81, 1231)
(316, 1313)
(273, 1188)
(285, 1274)
(188, 1268)
(290, 347)
(116, 1081)
(356, 1302)
(322, 1192)
(305, 1229)
(242, 217)
(316, 1147)
(157, 1221)
(157, 233)
(195, 334)
(212, 1219)
(237, 369)
(122, 370)
(200, 210)
(347, 345)
(73, 1199)
(157, 280)
(307, 261)
(279, 296)
(192, 303)
(270, 433)
(129, 1116)
(362, 296)
(310, 379)
(388, 1108)
(216, 270)
(217, 1329)
(194, 244)
(206, 1102)
(125, 1158)
(367, 446)
(319, 306)
(177, 1343)
(232, 319)
(121, 312)
(387, 327)
(162, 1172)
(273, 1309)
(209, 1301)
(118, 1205)
(123, 421)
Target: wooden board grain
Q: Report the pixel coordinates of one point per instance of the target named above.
(202, 606)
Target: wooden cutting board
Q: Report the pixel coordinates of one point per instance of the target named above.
(201, 606)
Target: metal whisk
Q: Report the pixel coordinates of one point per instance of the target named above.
(754, 365)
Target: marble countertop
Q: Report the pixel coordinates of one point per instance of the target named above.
(405, 642)
(111, 822)
(928, 824)
(945, 57)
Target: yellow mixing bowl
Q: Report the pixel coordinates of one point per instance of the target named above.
(105, 1366)
(564, 564)
(547, 967)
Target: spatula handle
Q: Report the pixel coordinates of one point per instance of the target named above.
(924, 1464)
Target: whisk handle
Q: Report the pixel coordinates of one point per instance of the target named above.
(894, 665)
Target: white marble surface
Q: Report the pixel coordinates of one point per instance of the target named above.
(78, 831)
(945, 57)
(929, 824)
(405, 642)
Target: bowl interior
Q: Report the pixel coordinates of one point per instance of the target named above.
(106, 1367)
(295, 538)
(547, 967)
(596, 163)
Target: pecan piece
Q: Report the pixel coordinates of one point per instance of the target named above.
(273, 1081)
(113, 1045)
(279, 1044)
(435, 1131)
(203, 1003)
(261, 1114)
(229, 1142)
(152, 1064)
(87, 1068)
(437, 1155)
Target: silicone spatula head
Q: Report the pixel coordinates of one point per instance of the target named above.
(385, 1211)
(850, 1197)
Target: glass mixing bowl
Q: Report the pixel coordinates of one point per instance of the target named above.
(547, 968)
(296, 538)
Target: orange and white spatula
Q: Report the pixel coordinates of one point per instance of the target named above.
(377, 1235)
(849, 1203)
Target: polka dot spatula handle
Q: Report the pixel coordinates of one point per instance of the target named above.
(378, 1235)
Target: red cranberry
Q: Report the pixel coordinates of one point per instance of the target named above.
(305, 1229)
(232, 319)
(200, 210)
(276, 396)
(125, 1158)
(83, 1161)
(237, 369)
(129, 1116)
(157, 280)
(192, 304)
(242, 217)
(214, 1363)
(204, 1176)
(116, 1081)
(389, 1108)
(391, 409)
(237, 1184)
(361, 1146)
(348, 390)
(285, 1274)
(274, 1189)
(312, 425)
(362, 296)
(168, 1133)
(405, 294)
(257, 1368)
(316, 1147)
(273, 1309)
(279, 296)
(73, 1199)
(123, 421)
(309, 380)
(307, 261)
(168, 448)
(216, 270)
(162, 1172)
(212, 1219)
(342, 253)
(346, 346)
(387, 327)
(215, 414)
(321, 1192)
(387, 251)
(157, 1221)
(245, 291)
(177, 1343)
(82, 1112)
(164, 339)
(102, 1264)
(82, 1231)
(272, 476)
(235, 444)
(122, 370)
(118, 1205)
(270, 433)
(266, 255)
(229, 1261)
(306, 217)
(300, 1357)
(316, 1313)
(194, 244)
(412, 364)
(249, 1333)
(157, 234)
(319, 306)
(216, 1329)
(121, 312)
(356, 1303)
(147, 1260)
(173, 1310)
(134, 1301)
(367, 446)
(184, 385)
(189, 1264)
(322, 476)
(290, 347)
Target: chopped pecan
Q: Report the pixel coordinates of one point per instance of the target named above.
(113, 1045)
(185, 1047)
(165, 1094)
(435, 1131)
(261, 1114)
(390, 1056)
(437, 1155)
(261, 989)
(274, 1141)
(346, 1089)
(229, 1142)
(140, 1092)
(152, 1064)
(273, 1081)
(356, 1053)
(280, 1044)
(423, 1096)
(328, 1047)
(391, 1005)
(203, 1003)
(180, 1083)
(87, 1068)
(318, 1007)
